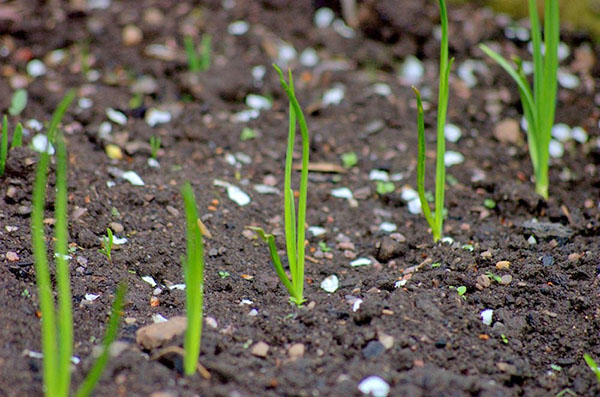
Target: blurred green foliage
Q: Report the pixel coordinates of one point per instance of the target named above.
(579, 14)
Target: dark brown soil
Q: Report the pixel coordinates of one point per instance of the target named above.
(544, 320)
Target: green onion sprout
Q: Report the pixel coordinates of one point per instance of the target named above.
(198, 62)
(294, 224)
(3, 145)
(193, 270)
(538, 107)
(435, 221)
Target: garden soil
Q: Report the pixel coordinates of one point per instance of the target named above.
(400, 317)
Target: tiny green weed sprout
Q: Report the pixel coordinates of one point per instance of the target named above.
(349, 159)
(198, 62)
(3, 145)
(593, 365)
(462, 290)
(294, 223)
(193, 271)
(436, 224)
(18, 102)
(154, 146)
(538, 106)
(17, 140)
(107, 244)
(92, 378)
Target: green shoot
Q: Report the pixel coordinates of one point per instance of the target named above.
(107, 244)
(3, 145)
(539, 106)
(462, 290)
(198, 62)
(62, 107)
(593, 365)
(349, 159)
(57, 352)
(95, 373)
(436, 224)
(17, 140)
(18, 102)
(294, 223)
(193, 270)
(154, 146)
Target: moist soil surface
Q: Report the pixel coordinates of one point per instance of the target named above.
(400, 317)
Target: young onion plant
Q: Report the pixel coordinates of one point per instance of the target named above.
(57, 322)
(193, 270)
(538, 106)
(16, 142)
(294, 224)
(436, 220)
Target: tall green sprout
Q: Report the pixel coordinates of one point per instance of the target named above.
(538, 107)
(193, 269)
(294, 227)
(57, 321)
(435, 221)
(57, 356)
(198, 62)
(3, 144)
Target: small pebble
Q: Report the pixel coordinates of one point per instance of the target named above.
(238, 28)
(260, 349)
(574, 257)
(502, 265)
(386, 340)
(374, 386)
(12, 256)
(483, 282)
(116, 227)
(486, 316)
(506, 279)
(373, 349)
(132, 35)
(296, 351)
(116, 116)
(547, 260)
(36, 68)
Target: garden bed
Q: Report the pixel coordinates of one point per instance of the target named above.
(399, 317)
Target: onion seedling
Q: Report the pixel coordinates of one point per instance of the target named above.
(154, 146)
(436, 223)
(107, 244)
(3, 145)
(198, 62)
(538, 106)
(57, 322)
(593, 365)
(294, 224)
(17, 140)
(193, 271)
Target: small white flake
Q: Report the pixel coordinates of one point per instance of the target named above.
(334, 95)
(85, 103)
(133, 178)
(356, 304)
(400, 283)
(409, 194)
(152, 162)
(531, 240)
(388, 227)
(265, 189)
(342, 192)
(412, 70)
(330, 284)
(36, 68)
(34, 125)
(556, 149)
(158, 318)
(104, 130)
(447, 240)
(258, 102)
(342, 29)
(486, 316)
(116, 116)
(40, 144)
(324, 17)
(452, 132)
(379, 175)
(568, 80)
(562, 132)
(91, 297)
(149, 280)
(253, 313)
(382, 89)
(317, 231)
(246, 302)
(211, 322)
(563, 51)
(361, 262)
(453, 158)
(245, 115)
(238, 28)
(180, 287)
(579, 134)
(309, 57)
(374, 386)
(258, 72)
(414, 206)
(155, 116)
(286, 53)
